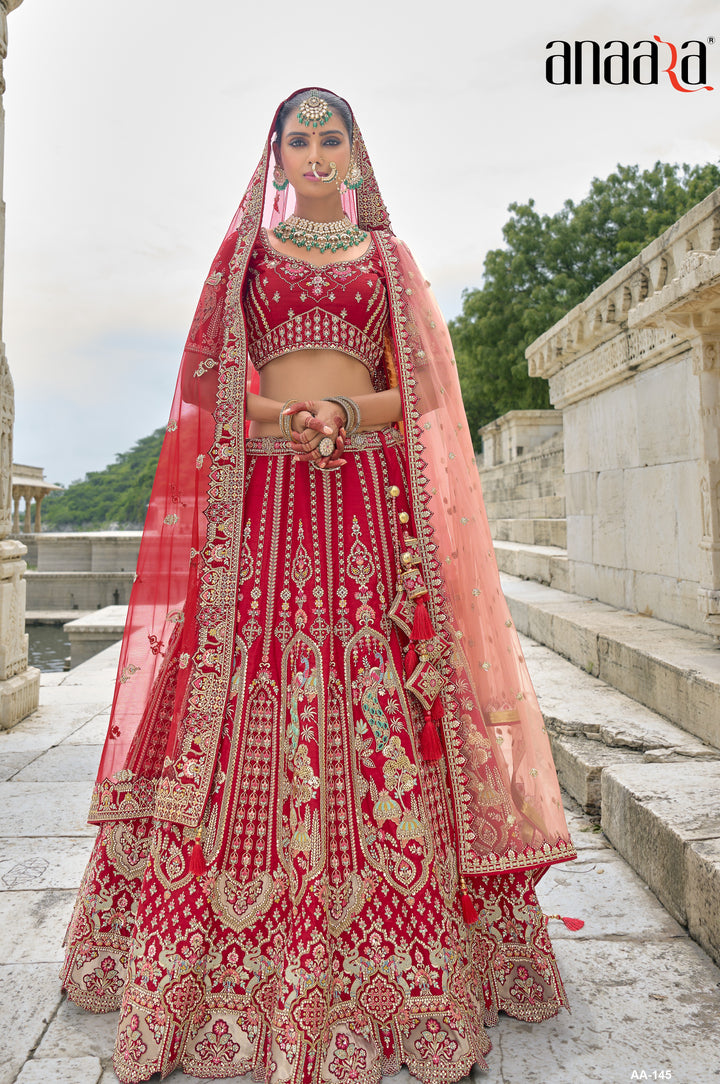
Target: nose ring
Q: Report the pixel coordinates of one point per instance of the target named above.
(331, 175)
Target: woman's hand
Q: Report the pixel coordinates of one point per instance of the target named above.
(321, 419)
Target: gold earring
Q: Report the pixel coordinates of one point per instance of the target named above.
(354, 177)
(280, 180)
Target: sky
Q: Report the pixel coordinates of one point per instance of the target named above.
(131, 132)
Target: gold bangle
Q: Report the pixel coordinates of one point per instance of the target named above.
(285, 420)
(352, 411)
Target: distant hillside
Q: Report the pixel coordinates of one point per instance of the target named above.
(112, 499)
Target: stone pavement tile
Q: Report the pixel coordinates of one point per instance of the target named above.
(48, 726)
(68, 762)
(61, 1071)
(86, 686)
(75, 1032)
(178, 1077)
(608, 895)
(41, 863)
(93, 732)
(634, 1006)
(585, 833)
(33, 924)
(10, 763)
(29, 996)
(45, 809)
(57, 696)
(95, 674)
(48, 679)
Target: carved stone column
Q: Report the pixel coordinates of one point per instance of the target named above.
(19, 683)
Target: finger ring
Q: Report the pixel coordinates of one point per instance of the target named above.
(326, 446)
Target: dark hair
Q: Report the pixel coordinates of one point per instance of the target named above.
(293, 104)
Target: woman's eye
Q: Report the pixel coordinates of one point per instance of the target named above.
(333, 142)
(297, 142)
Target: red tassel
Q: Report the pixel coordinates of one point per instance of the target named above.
(436, 711)
(571, 923)
(430, 746)
(422, 625)
(468, 907)
(411, 660)
(198, 865)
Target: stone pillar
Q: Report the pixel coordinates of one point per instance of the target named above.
(19, 683)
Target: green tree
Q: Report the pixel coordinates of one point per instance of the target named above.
(550, 263)
(117, 496)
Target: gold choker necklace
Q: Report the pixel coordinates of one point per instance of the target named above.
(321, 235)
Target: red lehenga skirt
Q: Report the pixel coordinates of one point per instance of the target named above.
(326, 940)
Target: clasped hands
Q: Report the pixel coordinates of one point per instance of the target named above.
(319, 419)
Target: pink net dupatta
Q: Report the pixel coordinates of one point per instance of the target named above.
(175, 667)
(508, 805)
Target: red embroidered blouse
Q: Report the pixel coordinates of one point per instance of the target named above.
(291, 304)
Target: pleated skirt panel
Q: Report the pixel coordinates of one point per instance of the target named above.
(321, 938)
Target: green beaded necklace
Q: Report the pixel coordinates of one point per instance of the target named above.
(321, 235)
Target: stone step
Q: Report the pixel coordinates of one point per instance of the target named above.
(545, 564)
(672, 670)
(546, 457)
(533, 532)
(53, 617)
(653, 785)
(93, 632)
(516, 488)
(526, 508)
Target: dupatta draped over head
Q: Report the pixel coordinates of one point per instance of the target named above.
(175, 666)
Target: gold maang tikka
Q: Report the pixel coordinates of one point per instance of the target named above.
(314, 110)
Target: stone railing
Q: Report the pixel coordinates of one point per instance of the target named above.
(594, 345)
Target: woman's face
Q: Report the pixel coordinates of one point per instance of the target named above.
(301, 147)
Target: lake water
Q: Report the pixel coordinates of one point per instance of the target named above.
(49, 647)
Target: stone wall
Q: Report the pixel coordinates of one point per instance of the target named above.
(47, 591)
(635, 370)
(88, 551)
(517, 433)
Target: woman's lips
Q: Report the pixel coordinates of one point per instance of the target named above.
(314, 177)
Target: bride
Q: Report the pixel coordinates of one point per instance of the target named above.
(326, 794)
